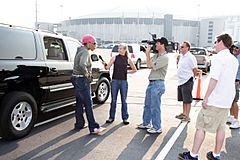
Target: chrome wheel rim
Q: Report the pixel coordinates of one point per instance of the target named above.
(21, 116)
(102, 91)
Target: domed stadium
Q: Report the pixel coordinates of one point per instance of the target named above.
(131, 27)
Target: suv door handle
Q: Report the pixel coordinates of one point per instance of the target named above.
(53, 69)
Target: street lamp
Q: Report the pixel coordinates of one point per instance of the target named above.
(36, 14)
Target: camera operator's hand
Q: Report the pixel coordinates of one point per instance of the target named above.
(148, 50)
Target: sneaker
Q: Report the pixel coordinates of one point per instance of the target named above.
(153, 130)
(97, 130)
(126, 122)
(211, 157)
(180, 116)
(235, 124)
(110, 120)
(142, 126)
(230, 119)
(186, 156)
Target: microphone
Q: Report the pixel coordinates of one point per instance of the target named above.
(100, 57)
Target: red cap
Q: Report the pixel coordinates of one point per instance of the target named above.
(88, 38)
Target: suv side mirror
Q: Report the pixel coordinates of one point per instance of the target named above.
(94, 57)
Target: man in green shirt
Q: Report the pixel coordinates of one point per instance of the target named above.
(156, 87)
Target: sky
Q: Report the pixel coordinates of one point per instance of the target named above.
(23, 12)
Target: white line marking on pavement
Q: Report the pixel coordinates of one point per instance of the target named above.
(171, 142)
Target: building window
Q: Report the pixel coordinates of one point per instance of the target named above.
(100, 21)
(117, 21)
(210, 33)
(210, 22)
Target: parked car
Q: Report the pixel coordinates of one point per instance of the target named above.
(136, 53)
(35, 72)
(203, 58)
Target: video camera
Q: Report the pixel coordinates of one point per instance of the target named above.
(151, 42)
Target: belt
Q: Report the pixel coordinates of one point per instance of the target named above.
(156, 80)
(74, 75)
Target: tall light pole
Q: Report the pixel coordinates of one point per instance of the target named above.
(36, 14)
(198, 34)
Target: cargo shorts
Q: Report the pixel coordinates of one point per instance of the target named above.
(212, 119)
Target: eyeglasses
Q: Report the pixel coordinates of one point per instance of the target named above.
(236, 48)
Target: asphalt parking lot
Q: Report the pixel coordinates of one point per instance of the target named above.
(57, 140)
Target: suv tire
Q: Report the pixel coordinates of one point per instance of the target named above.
(138, 64)
(103, 91)
(20, 108)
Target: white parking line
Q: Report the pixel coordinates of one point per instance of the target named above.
(171, 142)
(174, 137)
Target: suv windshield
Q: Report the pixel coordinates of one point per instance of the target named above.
(196, 51)
(115, 49)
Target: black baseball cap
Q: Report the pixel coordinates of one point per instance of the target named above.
(163, 40)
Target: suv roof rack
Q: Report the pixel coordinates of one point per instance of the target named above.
(11, 25)
(47, 31)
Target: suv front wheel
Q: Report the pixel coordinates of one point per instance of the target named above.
(103, 90)
(18, 114)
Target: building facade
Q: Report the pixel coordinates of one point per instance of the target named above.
(126, 28)
(211, 27)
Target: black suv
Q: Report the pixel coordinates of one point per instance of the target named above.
(35, 72)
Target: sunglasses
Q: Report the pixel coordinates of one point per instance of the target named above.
(182, 47)
(217, 41)
(236, 48)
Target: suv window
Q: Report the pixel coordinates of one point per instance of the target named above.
(55, 49)
(72, 47)
(17, 44)
(115, 48)
(130, 49)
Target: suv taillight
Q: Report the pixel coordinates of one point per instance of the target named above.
(132, 55)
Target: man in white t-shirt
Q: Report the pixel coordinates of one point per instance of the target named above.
(187, 69)
(217, 101)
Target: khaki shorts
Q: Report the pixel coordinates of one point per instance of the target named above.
(212, 119)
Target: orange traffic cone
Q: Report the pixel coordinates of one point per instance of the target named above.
(198, 94)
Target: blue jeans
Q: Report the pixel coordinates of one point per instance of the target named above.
(83, 100)
(152, 110)
(117, 85)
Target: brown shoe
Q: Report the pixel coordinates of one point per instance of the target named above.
(186, 119)
(180, 116)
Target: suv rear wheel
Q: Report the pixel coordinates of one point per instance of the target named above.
(103, 90)
(138, 64)
(18, 114)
